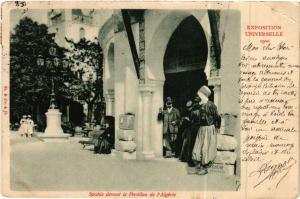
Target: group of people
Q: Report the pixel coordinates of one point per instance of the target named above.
(192, 135)
(26, 126)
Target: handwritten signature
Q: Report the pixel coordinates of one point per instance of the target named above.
(269, 171)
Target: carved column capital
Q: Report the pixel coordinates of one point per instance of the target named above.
(217, 87)
(110, 95)
(155, 83)
(146, 89)
(214, 81)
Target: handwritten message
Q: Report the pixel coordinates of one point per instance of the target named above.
(268, 100)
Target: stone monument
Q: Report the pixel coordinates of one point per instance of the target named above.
(53, 132)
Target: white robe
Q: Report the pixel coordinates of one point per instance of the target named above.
(30, 125)
(23, 126)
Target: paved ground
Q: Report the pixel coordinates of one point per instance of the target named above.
(41, 166)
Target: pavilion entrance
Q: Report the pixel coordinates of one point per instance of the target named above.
(184, 62)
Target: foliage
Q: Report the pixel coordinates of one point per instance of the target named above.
(29, 83)
(85, 81)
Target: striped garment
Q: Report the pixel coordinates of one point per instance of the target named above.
(205, 148)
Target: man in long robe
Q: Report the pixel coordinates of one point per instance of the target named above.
(208, 119)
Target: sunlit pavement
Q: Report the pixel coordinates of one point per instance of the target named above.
(41, 166)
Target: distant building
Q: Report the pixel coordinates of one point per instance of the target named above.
(73, 24)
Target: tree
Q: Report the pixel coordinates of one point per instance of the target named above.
(30, 84)
(86, 82)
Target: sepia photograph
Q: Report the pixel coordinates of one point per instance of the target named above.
(191, 100)
(124, 100)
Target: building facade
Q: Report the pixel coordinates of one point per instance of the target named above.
(172, 47)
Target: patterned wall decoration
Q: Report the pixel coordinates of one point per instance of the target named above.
(56, 16)
(215, 51)
(142, 48)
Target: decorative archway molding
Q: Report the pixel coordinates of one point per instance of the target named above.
(106, 41)
(157, 44)
(106, 32)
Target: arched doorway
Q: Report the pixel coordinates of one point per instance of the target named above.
(156, 48)
(106, 40)
(109, 72)
(184, 62)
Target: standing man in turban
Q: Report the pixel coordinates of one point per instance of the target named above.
(208, 119)
(171, 120)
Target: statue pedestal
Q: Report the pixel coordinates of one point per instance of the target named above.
(54, 132)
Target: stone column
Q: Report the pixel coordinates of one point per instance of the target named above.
(146, 94)
(110, 99)
(156, 126)
(217, 96)
(216, 83)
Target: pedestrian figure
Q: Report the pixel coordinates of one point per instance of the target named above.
(23, 127)
(102, 137)
(30, 125)
(171, 118)
(106, 139)
(191, 131)
(186, 132)
(194, 131)
(208, 119)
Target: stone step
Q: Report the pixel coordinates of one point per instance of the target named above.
(57, 137)
(226, 143)
(225, 157)
(123, 155)
(126, 121)
(126, 135)
(226, 169)
(127, 146)
(229, 124)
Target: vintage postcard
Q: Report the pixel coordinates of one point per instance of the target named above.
(150, 99)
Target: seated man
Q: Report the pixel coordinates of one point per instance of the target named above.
(102, 137)
(105, 141)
